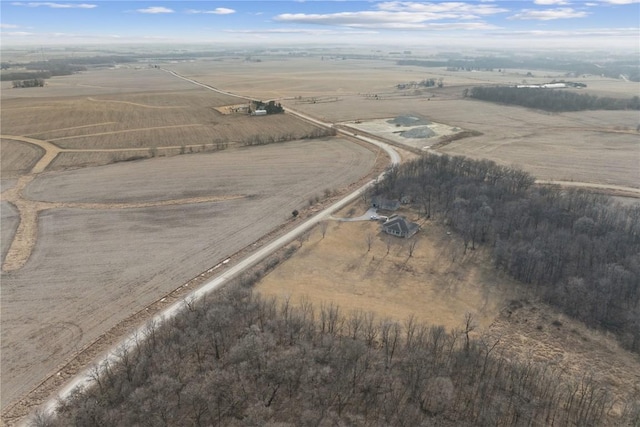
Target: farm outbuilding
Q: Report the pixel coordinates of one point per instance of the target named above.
(386, 204)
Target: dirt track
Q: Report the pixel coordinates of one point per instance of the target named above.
(95, 262)
(26, 234)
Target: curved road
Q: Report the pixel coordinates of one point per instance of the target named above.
(83, 379)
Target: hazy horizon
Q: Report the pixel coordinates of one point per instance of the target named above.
(611, 25)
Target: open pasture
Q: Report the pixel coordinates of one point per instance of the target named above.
(439, 285)
(115, 238)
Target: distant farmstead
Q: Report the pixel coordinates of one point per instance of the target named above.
(399, 226)
(264, 108)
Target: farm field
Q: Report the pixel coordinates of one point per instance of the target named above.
(439, 285)
(88, 239)
(100, 82)
(598, 147)
(116, 218)
(94, 265)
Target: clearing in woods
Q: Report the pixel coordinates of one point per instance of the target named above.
(438, 285)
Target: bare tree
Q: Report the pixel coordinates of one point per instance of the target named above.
(412, 247)
(303, 238)
(470, 325)
(388, 241)
(369, 241)
(323, 228)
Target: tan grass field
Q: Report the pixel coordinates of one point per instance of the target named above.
(438, 285)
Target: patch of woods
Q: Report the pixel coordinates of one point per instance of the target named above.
(423, 83)
(57, 67)
(270, 107)
(550, 99)
(579, 251)
(44, 73)
(28, 83)
(239, 360)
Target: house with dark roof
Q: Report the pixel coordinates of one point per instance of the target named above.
(385, 204)
(399, 226)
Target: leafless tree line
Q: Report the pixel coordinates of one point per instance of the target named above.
(579, 250)
(237, 359)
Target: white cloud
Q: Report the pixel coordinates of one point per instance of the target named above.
(216, 11)
(598, 32)
(549, 14)
(403, 15)
(460, 10)
(57, 5)
(17, 33)
(551, 2)
(620, 1)
(9, 26)
(155, 9)
(222, 11)
(309, 31)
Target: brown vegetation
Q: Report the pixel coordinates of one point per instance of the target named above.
(94, 268)
(241, 360)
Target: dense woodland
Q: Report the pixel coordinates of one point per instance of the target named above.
(551, 99)
(238, 360)
(42, 73)
(578, 250)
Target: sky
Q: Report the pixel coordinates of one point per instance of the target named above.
(593, 24)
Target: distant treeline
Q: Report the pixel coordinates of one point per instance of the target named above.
(580, 252)
(550, 99)
(239, 360)
(612, 69)
(58, 67)
(47, 73)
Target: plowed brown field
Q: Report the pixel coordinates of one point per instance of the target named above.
(84, 248)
